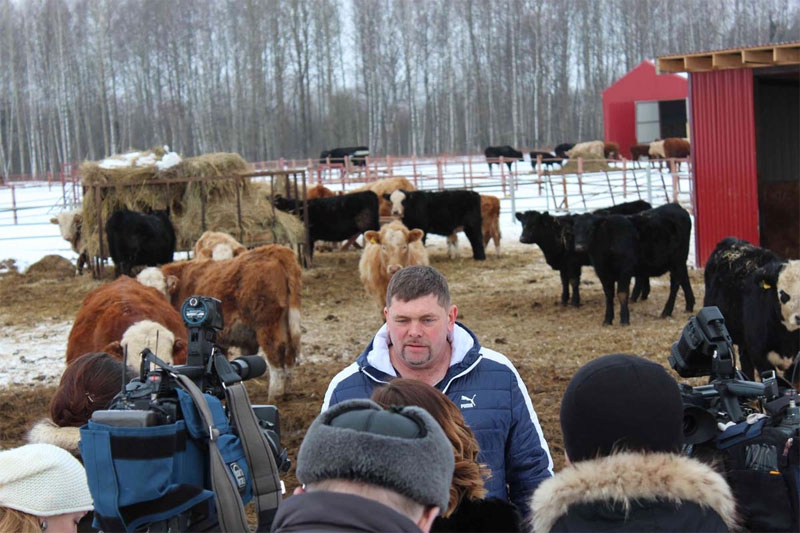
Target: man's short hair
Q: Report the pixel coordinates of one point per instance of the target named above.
(402, 449)
(416, 281)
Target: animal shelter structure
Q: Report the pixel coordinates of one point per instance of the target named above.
(745, 129)
(643, 106)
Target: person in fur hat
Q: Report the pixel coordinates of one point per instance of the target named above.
(622, 422)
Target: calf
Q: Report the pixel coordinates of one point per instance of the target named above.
(548, 159)
(386, 252)
(490, 227)
(217, 246)
(139, 239)
(336, 218)
(259, 289)
(650, 243)
(70, 225)
(126, 315)
(638, 151)
(554, 236)
(758, 293)
(509, 155)
(442, 213)
(357, 155)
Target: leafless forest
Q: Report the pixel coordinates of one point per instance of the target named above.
(82, 79)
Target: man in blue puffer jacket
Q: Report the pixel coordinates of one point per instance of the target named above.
(421, 340)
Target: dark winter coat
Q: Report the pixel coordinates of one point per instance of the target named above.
(474, 516)
(635, 492)
(326, 511)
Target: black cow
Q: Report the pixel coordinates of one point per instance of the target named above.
(139, 239)
(758, 293)
(509, 155)
(554, 236)
(548, 159)
(649, 244)
(441, 213)
(561, 150)
(357, 155)
(336, 218)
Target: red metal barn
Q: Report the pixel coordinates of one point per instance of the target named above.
(745, 131)
(643, 106)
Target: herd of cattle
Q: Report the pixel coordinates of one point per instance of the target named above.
(260, 289)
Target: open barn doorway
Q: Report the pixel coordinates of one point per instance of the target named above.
(777, 113)
(673, 118)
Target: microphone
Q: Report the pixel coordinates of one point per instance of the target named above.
(249, 366)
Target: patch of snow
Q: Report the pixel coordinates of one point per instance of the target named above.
(33, 355)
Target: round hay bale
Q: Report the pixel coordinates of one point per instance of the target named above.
(50, 267)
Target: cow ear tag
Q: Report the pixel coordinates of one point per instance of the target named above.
(765, 285)
(373, 241)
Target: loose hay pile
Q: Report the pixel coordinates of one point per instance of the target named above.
(195, 206)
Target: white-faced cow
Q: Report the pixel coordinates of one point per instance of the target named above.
(649, 244)
(758, 293)
(386, 252)
(70, 225)
(139, 239)
(217, 246)
(442, 213)
(509, 154)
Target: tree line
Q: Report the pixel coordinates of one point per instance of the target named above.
(84, 79)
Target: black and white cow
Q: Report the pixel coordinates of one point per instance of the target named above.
(562, 149)
(441, 213)
(548, 159)
(336, 218)
(649, 244)
(554, 236)
(509, 155)
(758, 293)
(357, 155)
(139, 239)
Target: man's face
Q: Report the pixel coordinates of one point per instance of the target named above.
(418, 331)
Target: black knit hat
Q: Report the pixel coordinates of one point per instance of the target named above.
(621, 401)
(402, 449)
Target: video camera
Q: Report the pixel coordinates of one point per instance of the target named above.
(156, 399)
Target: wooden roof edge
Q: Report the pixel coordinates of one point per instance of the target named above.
(749, 57)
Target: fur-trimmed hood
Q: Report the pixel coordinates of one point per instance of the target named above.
(46, 431)
(625, 477)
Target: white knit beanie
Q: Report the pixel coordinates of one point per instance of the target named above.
(43, 480)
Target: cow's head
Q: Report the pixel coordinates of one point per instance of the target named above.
(155, 278)
(69, 225)
(395, 241)
(788, 292)
(583, 229)
(152, 335)
(532, 224)
(397, 197)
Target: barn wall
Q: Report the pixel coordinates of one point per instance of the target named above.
(724, 153)
(640, 84)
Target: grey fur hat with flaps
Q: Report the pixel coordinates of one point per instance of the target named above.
(401, 448)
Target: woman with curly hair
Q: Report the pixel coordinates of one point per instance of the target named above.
(467, 509)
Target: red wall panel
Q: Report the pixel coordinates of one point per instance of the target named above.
(724, 156)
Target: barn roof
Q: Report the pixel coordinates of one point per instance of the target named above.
(749, 57)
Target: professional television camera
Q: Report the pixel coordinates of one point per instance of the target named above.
(162, 407)
(751, 428)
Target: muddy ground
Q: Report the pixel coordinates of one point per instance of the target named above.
(510, 302)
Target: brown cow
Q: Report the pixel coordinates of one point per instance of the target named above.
(126, 314)
(611, 150)
(640, 150)
(259, 289)
(386, 186)
(676, 148)
(386, 252)
(319, 191)
(490, 226)
(217, 246)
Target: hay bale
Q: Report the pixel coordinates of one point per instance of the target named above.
(591, 165)
(50, 267)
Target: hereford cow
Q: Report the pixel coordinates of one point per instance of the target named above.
(554, 236)
(676, 148)
(649, 244)
(70, 225)
(490, 227)
(442, 213)
(259, 289)
(139, 239)
(124, 314)
(509, 155)
(336, 218)
(336, 156)
(386, 252)
(217, 246)
(638, 151)
(386, 186)
(758, 293)
(611, 150)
